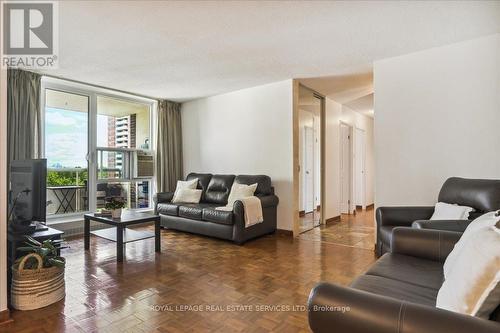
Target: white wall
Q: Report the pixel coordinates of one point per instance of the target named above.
(335, 113)
(248, 131)
(437, 114)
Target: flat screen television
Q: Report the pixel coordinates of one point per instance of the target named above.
(28, 183)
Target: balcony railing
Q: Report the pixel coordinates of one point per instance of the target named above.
(67, 190)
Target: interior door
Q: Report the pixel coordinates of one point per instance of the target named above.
(309, 169)
(360, 167)
(345, 166)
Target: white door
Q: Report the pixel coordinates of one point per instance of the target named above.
(309, 169)
(359, 178)
(345, 172)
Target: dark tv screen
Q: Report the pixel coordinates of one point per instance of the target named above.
(29, 175)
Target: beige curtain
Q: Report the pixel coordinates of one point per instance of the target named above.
(169, 146)
(23, 115)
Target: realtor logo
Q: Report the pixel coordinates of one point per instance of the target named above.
(29, 34)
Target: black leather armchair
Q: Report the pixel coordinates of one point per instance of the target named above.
(481, 194)
(397, 294)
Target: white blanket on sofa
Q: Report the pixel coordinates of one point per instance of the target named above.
(253, 210)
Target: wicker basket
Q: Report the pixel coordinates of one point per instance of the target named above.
(36, 288)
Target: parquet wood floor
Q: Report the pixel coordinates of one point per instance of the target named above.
(151, 292)
(352, 230)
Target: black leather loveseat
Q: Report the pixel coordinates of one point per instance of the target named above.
(481, 194)
(204, 219)
(398, 293)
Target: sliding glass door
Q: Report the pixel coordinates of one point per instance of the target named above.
(98, 145)
(66, 149)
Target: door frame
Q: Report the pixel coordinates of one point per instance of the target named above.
(296, 154)
(308, 190)
(350, 203)
(363, 165)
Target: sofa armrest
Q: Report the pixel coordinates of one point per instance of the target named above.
(449, 225)
(265, 201)
(241, 233)
(163, 197)
(269, 201)
(402, 216)
(344, 309)
(424, 243)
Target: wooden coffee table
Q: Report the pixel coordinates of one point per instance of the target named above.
(120, 234)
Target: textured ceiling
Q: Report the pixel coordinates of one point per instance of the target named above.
(185, 50)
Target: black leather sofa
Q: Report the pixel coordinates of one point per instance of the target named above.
(204, 219)
(398, 293)
(481, 194)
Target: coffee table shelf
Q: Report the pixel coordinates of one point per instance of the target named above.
(129, 235)
(119, 232)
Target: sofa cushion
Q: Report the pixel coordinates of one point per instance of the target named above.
(397, 289)
(218, 189)
(203, 180)
(193, 211)
(217, 216)
(420, 272)
(168, 208)
(264, 186)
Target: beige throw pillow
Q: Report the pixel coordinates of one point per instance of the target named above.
(240, 191)
(187, 195)
(184, 184)
(483, 221)
(446, 211)
(472, 285)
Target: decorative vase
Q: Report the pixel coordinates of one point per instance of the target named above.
(116, 213)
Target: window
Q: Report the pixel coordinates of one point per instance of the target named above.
(122, 124)
(123, 129)
(98, 145)
(66, 148)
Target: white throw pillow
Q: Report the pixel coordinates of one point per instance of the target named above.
(187, 195)
(483, 221)
(182, 184)
(445, 211)
(472, 286)
(240, 191)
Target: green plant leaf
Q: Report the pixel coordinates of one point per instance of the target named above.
(44, 251)
(48, 250)
(34, 241)
(57, 262)
(25, 249)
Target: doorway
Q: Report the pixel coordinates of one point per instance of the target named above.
(309, 129)
(345, 168)
(359, 173)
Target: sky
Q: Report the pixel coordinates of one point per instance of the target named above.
(66, 137)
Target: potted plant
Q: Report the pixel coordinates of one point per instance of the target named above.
(115, 205)
(38, 277)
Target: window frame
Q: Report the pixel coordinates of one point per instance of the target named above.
(93, 92)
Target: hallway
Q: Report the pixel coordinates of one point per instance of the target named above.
(352, 230)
